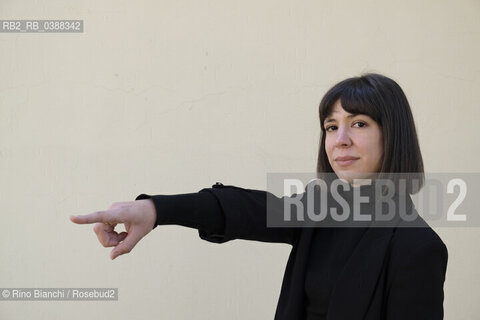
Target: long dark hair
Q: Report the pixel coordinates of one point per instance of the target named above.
(384, 101)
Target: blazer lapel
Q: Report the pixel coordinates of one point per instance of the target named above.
(357, 281)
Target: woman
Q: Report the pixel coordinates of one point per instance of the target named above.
(396, 272)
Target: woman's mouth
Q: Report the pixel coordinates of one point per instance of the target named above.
(345, 161)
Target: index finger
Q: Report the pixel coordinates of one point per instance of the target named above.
(99, 216)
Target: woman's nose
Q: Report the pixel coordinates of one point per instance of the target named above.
(343, 137)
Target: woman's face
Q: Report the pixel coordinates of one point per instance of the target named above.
(353, 144)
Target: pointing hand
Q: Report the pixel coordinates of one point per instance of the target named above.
(138, 217)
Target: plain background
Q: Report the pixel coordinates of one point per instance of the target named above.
(164, 97)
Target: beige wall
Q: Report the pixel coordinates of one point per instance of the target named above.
(172, 96)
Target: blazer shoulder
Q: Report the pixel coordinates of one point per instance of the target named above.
(414, 234)
(416, 273)
(420, 239)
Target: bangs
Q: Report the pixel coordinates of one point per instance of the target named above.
(355, 97)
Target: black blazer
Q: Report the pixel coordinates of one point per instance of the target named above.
(394, 272)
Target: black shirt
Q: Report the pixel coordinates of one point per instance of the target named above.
(330, 250)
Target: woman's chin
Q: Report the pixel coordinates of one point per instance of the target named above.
(355, 177)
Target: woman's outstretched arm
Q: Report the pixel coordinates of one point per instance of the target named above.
(220, 214)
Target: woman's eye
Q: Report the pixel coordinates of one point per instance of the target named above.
(360, 124)
(331, 128)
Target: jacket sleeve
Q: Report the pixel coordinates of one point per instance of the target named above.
(198, 210)
(417, 286)
(245, 213)
(223, 213)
